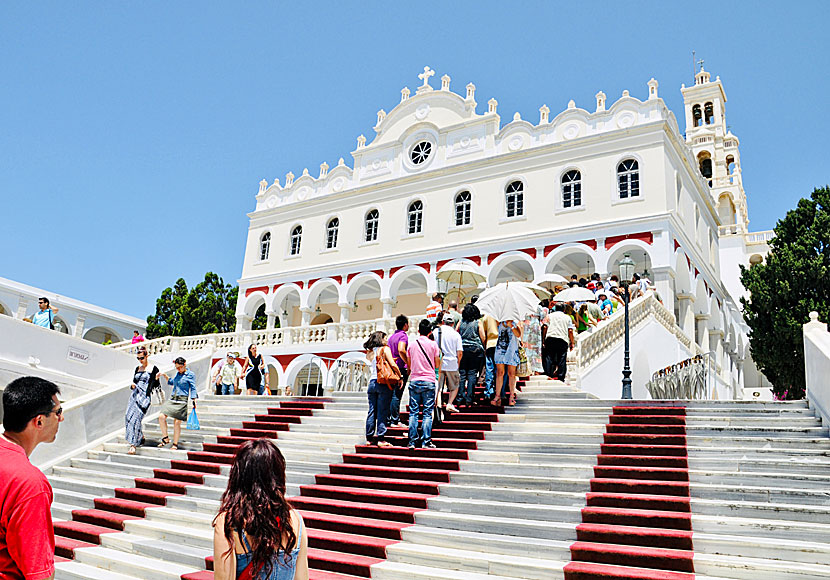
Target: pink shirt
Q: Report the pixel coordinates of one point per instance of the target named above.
(421, 369)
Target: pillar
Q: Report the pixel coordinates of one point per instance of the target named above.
(243, 322)
(664, 283)
(686, 318)
(22, 307)
(344, 312)
(78, 330)
(306, 319)
(269, 325)
(388, 303)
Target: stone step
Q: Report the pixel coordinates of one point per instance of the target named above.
(132, 564)
(399, 570)
(72, 570)
(152, 548)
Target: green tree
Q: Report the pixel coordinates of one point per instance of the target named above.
(206, 308)
(794, 280)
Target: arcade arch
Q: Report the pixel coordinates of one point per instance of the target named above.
(101, 335)
(409, 288)
(363, 295)
(323, 299)
(569, 260)
(511, 267)
(286, 303)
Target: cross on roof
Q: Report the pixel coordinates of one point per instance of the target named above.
(424, 76)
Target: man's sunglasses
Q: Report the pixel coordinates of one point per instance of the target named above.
(58, 412)
(141, 357)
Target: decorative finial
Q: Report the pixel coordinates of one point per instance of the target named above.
(471, 91)
(277, 181)
(263, 185)
(381, 117)
(571, 104)
(424, 76)
(625, 93)
(324, 169)
(445, 83)
(517, 116)
(652, 88)
(340, 162)
(361, 141)
(600, 101)
(404, 94)
(491, 105)
(544, 114)
(289, 179)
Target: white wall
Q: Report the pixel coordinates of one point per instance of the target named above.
(817, 366)
(653, 347)
(22, 343)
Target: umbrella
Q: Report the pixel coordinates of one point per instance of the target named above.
(461, 274)
(508, 301)
(574, 294)
(540, 292)
(551, 281)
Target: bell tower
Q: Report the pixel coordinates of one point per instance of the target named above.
(716, 150)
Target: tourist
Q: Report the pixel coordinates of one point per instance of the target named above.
(137, 337)
(532, 337)
(473, 338)
(507, 359)
(424, 360)
(595, 310)
(605, 304)
(559, 338)
(257, 534)
(379, 394)
(226, 377)
(397, 344)
(634, 290)
(31, 415)
(491, 334)
(612, 282)
(574, 281)
(644, 284)
(255, 367)
(435, 307)
(449, 343)
(584, 321)
(144, 382)
(184, 388)
(456, 315)
(45, 316)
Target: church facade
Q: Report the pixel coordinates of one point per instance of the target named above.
(568, 194)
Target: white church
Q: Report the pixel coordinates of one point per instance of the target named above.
(332, 255)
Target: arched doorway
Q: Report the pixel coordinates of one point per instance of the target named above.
(309, 381)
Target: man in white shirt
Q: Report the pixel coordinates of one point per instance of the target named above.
(449, 342)
(559, 338)
(227, 376)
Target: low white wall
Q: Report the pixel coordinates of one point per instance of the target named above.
(94, 418)
(653, 347)
(817, 366)
(26, 349)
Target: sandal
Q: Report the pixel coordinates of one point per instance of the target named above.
(131, 450)
(164, 441)
(174, 447)
(384, 444)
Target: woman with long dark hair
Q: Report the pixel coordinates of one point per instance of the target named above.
(380, 396)
(145, 380)
(472, 340)
(257, 534)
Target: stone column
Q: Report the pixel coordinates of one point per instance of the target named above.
(387, 307)
(306, 320)
(269, 325)
(663, 281)
(22, 307)
(243, 322)
(79, 326)
(686, 318)
(283, 319)
(700, 333)
(345, 309)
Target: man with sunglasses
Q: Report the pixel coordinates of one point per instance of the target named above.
(31, 415)
(45, 315)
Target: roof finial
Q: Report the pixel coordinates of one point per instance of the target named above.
(424, 76)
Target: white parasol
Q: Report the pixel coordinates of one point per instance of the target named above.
(460, 274)
(508, 301)
(551, 281)
(541, 293)
(574, 294)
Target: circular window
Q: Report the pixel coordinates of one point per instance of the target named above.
(421, 152)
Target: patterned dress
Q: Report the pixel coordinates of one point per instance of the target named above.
(137, 407)
(532, 339)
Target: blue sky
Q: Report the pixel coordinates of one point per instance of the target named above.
(133, 135)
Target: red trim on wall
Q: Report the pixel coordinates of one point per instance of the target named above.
(310, 282)
(250, 291)
(676, 245)
(425, 266)
(591, 244)
(696, 272)
(350, 276)
(493, 256)
(550, 248)
(646, 237)
(475, 259)
(530, 252)
(274, 289)
(393, 270)
(353, 274)
(441, 264)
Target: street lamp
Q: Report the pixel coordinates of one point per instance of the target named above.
(626, 276)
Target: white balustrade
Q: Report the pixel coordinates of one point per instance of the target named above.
(760, 237)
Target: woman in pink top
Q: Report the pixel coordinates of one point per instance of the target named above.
(422, 354)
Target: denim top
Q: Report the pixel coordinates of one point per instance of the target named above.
(280, 569)
(184, 384)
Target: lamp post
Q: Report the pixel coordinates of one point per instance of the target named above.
(626, 275)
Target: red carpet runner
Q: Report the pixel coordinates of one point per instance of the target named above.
(351, 513)
(637, 523)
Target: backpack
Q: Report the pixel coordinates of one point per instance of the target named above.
(388, 374)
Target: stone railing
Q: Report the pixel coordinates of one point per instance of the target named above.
(591, 346)
(759, 237)
(291, 335)
(729, 229)
(817, 366)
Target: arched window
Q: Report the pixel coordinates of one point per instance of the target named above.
(572, 189)
(628, 178)
(265, 246)
(463, 207)
(296, 240)
(331, 233)
(415, 217)
(514, 199)
(371, 228)
(709, 113)
(697, 116)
